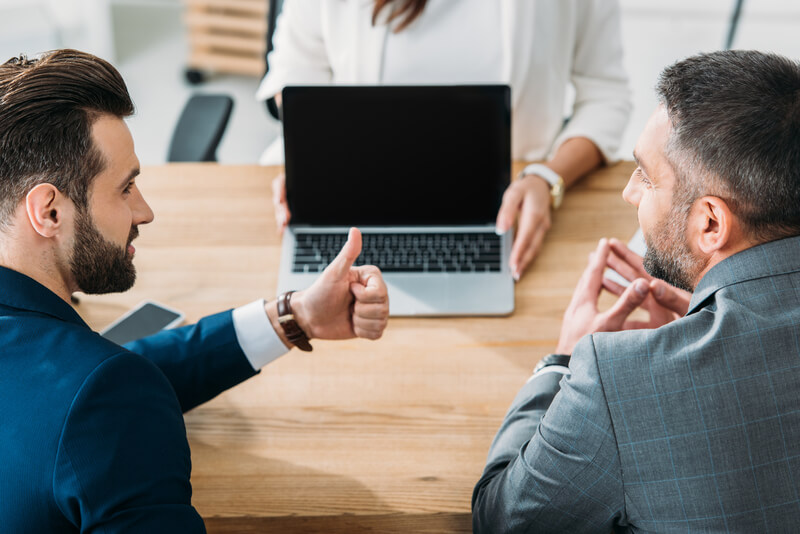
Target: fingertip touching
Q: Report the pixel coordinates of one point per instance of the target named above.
(641, 287)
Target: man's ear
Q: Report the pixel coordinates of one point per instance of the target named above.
(712, 221)
(44, 206)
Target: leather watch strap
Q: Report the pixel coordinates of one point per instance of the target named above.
(293, 332)
(552, 359)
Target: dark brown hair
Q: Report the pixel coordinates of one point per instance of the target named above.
(47, 108)
(408, 9)
(736, 134)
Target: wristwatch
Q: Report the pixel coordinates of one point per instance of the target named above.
(552, 359)
(551, 177)
(293, 332)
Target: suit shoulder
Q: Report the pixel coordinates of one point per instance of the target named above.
(126, 367)
(123, 445)
(634, 363)
(651, 341)
(122, 386)
(90, 349)
(57, 356)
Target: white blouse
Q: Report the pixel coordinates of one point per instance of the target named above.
(562, 58)
(473, 55)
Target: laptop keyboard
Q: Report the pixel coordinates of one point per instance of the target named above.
(404, 253)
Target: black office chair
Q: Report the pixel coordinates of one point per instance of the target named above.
(200, 128)
(275, 7)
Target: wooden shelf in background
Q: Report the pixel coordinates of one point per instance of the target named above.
(227, 35)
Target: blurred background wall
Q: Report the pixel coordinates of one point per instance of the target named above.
(147, 40)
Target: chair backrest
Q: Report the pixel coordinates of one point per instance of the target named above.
(200, 128)
(275, 7)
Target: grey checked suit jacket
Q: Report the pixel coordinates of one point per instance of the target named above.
(692, 427)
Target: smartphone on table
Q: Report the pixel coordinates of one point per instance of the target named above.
(145, 319)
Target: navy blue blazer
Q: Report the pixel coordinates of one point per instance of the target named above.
(92, 437)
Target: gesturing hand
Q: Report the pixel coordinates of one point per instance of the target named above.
(583, 317)
(665, 302)
(345, 301)
(530, 198)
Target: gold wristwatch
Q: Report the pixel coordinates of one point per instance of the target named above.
(551, 177)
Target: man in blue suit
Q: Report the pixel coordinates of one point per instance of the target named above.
(92, 437)
(689, 421)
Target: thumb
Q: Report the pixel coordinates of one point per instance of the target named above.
(340, 266)
(632, 298)
(671, 297)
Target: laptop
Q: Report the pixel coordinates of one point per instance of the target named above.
(421, 171)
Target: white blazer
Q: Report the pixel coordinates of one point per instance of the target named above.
(548, 45)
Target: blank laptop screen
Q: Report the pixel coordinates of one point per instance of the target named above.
(396, 155)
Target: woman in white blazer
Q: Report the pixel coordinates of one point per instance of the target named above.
(562, 59)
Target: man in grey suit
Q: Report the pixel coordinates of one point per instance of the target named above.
(689, 421)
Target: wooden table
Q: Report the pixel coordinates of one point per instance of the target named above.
(358, 436)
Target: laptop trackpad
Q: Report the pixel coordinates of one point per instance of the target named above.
(418, 295)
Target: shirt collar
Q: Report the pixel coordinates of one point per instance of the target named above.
(23, 292)
(760, 261)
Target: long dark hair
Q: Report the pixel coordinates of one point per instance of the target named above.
(408, 10)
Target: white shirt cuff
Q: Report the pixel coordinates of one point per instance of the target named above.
(258, 340)
(564, 370)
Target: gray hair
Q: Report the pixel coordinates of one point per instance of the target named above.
(735, 119)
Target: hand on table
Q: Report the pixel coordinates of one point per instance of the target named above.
(345, 301)
(530, 198)
(279, 202)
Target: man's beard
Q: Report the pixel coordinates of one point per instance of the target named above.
(98, 265)
(668, 256)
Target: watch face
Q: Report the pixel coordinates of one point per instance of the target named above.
(557, 192)
(550, 176)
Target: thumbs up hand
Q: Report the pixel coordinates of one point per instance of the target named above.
(345, 301)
